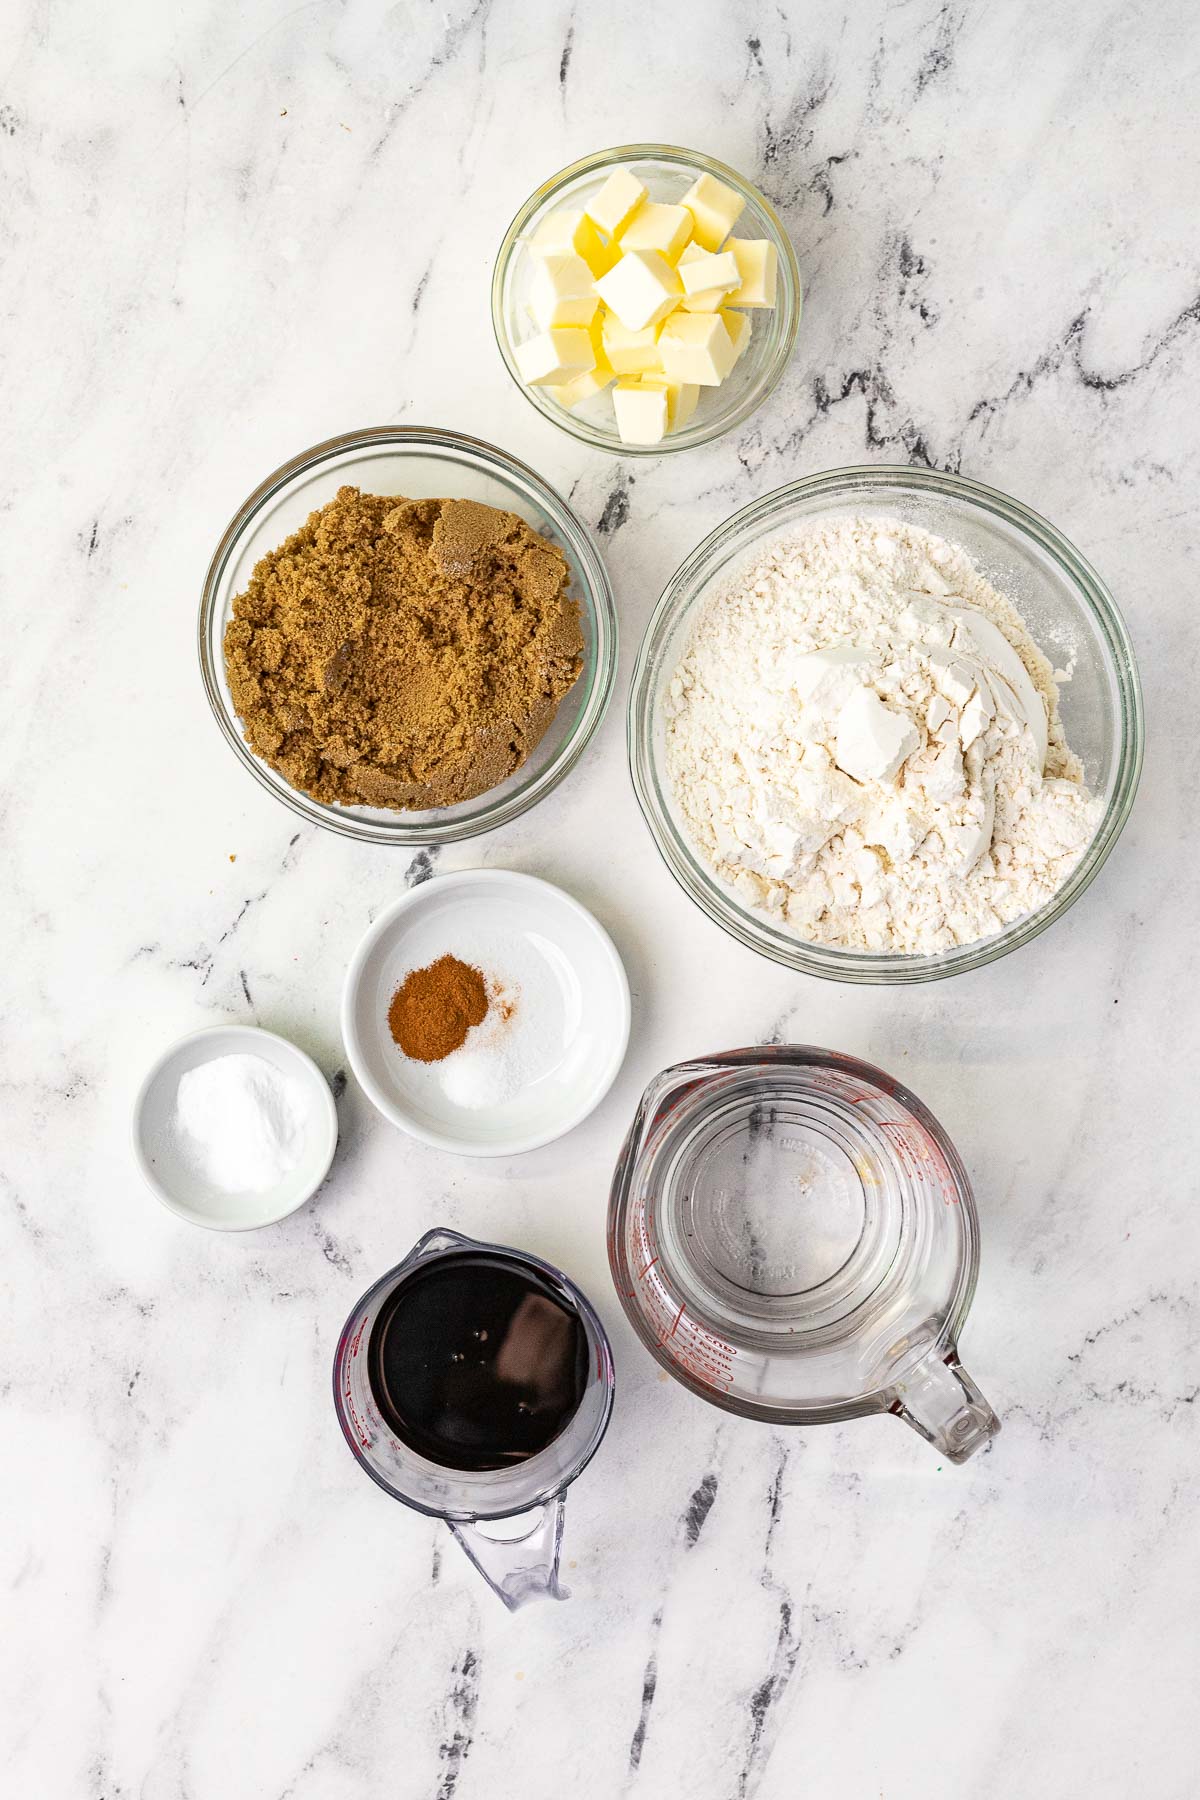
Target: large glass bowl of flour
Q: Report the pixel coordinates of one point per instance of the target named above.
(1063, 602)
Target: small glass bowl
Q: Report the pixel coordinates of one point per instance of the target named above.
(1068, 609)
(667, 173)
(419, 463)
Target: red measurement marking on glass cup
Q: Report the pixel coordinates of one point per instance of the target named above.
(644, 1246)
(692, 1348)
(680, 1339)
(827, 1083)
(908, 1147)
(705, 1357)
(945, 1179)
(655, 1302)
(921, 1157)
(666, 1332)
(641, 1230)
(359, 1426)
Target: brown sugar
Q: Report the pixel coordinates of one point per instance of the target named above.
(403, 653)
(433, 1009)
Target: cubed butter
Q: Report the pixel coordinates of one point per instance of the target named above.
(583, 387)
(707, 278)
(641, 288)
(619, 197)
(696, 348)
(758, 266)
(630, 352)
(641, 298)
(596, 333)
(737, 324)
(682, 399)
(641, 412)
(687, 398)
(592, 381)
(666, 229)
(561, 292)
(715, 210)
(573, 234)
(555, 356)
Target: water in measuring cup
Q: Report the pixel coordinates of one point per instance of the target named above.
(475, 1362)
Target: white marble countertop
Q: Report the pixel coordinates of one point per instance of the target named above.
(230, 230)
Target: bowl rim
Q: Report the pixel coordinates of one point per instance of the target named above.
(792, 288)
(598, 678)
(256, 1033)
(866, 967)
(400, 1116)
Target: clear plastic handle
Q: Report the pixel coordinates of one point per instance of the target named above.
(938, 1398)
(517, 1558)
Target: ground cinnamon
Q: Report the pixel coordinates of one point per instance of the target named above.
(433, 1009)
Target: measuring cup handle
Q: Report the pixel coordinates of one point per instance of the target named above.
(938, 1398)
(518, 1568)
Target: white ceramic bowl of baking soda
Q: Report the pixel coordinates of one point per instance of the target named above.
(180, 1188)
(560, 1052)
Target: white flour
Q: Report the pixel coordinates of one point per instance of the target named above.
(864, 740)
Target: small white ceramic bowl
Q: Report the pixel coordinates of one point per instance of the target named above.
(169, 1178)
(568, 958)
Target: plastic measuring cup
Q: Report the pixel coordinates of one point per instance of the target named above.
(508, 1520)
(793, 1237)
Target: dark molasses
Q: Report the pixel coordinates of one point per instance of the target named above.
(477, 1361)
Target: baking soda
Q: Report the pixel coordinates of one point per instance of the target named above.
(238, 1123)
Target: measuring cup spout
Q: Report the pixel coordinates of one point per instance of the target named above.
(938, 1398)
(518, 1567)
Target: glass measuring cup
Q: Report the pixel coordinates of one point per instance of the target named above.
(508, 1520)
(793, 1237)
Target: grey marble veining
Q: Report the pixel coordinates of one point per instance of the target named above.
(227, 231)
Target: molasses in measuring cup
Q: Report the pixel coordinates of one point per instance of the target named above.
(793, 1237)
(474, 1383)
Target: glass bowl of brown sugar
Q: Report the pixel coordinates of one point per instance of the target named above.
(410, 464)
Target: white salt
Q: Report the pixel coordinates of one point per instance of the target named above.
(238, 1123)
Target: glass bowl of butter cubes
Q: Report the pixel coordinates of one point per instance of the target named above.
(646, 299)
